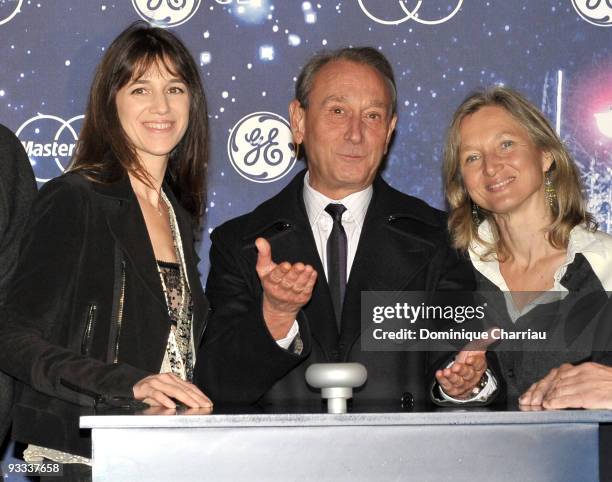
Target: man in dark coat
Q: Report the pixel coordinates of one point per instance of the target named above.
(17, 191)
(335, 231)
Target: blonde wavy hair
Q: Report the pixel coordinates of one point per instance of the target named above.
(569, 207)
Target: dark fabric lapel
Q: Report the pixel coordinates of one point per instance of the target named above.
(128, 227)
(284, 223)
(389, 255)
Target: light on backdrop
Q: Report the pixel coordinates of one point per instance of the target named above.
(294, 40)
(252, 11)
(205, 58)
(266, 53)
(310, 16)
(604, 122)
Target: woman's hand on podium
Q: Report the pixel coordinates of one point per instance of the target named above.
(587, 385)
(536, 392)
(163, 389)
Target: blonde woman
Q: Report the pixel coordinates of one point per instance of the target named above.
(517, 210)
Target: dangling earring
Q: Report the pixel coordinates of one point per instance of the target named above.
(476, 214)
(297, 151)
(549, 189)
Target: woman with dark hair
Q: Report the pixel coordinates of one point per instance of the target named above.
(517, 209)
(106, 304)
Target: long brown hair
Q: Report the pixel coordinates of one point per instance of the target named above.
(569, 207)
(104, 153)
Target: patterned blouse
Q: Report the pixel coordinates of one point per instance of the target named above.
(179, 357)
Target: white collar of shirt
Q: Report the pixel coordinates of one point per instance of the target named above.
(593, 245)
(356, 204)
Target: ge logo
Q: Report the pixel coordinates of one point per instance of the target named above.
(408, 14)
(166, 13)
(260, 147)
(596, 12)
(49, 141)
(8, 9)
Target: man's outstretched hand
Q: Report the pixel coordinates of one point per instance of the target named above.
(286, 288)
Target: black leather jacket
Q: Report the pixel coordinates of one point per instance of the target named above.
(86, 317)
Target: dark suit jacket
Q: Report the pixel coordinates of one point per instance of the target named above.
(17, 191)
(86, 316)
(403, 246)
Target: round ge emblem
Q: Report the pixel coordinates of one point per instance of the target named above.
(260, 147)
(8, 9)
(49, 141)
(409, 14)
(596, 12)
(166, 13)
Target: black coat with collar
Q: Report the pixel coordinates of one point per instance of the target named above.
(86, 317)
(403, 246)
(581, 319)
(17, 191)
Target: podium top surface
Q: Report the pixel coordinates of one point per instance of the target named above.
(252, 418)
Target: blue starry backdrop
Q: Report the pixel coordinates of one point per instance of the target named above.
(559, 53)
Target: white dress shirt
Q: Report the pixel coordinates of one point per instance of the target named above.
(321, 223)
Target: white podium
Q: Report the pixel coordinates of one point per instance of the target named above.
(442, 445)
